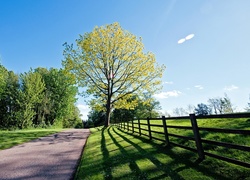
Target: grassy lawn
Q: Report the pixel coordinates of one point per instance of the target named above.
(12, 138)
(117, 154)
(234, 123)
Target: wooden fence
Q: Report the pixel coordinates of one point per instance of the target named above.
(137, 126)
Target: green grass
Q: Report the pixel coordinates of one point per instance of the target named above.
(11, 138)
(117, 154)
(239, 123)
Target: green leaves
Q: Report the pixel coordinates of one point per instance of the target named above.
(38, 98)
(32, 93)
(9, 99)
(110, 63)
(60, 96)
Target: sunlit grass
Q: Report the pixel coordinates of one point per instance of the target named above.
(233, 123)
(11, 138)
(117, 154)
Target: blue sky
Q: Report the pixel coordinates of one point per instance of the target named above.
(215, 61)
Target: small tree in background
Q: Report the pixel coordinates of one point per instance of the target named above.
(147, 106)
(248, 106)
(179, 111)
(227, 104)
(221, 105)
(190, 109)
(202, 110)
(215, 104)
(95, 118)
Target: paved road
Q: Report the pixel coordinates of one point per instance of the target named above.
(51, 157)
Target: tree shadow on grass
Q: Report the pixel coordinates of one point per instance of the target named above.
(184, 159)
(9, 139)
(133, 166)
(105, 152)
(150, 156)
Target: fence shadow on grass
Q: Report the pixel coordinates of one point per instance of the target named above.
(132, 164)
(150, 156)
(186, 159)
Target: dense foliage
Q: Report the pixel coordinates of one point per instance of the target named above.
(202, 110)
(147, 106)
(38, 98)
(111, 64)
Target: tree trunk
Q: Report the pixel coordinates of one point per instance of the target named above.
(108, 105)
(108, 113)
(107, 118)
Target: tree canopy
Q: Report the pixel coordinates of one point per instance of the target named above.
(110, 63)
(203, 110)
(221, 105)
(38, 98)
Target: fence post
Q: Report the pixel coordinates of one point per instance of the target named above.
(139, 126)
(165, 129)
(197, 137)
(149, 129)
(133, 126)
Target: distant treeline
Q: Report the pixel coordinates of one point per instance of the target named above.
(39, 98)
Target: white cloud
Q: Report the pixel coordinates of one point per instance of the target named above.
(199, 87)
(188, 37)
(84, 110)
(231, 88)
(181, 41)
(170, 82)
(167, 94)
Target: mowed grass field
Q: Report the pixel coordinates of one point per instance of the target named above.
(9, 139)
(239, 123)
(114, 153)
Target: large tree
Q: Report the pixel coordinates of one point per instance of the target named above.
(9, 98)
(58, 102)
(32, 92)
(111, 65)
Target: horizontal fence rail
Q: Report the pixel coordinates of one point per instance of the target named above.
(146, 127)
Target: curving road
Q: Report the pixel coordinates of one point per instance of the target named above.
(51, 157)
